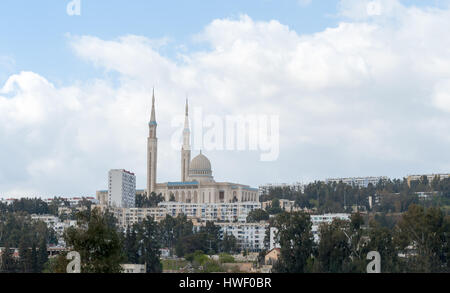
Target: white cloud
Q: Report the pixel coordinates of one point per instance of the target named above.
(304, 2)
(368, 97)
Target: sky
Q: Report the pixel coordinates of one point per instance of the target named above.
(360, 87)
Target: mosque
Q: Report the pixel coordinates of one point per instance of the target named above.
(197, 184)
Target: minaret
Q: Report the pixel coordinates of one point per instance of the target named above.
(186, 149)
(152, 150)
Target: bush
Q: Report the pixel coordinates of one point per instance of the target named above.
(226, 258)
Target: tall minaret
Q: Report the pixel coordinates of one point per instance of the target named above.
(152, 151)
(186, 149)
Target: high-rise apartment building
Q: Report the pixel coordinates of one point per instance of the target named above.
(122, 189)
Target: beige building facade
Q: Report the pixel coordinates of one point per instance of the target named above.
(430, 177)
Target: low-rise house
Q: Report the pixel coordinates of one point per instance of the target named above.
(272, 256)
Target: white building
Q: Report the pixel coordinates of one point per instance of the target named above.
(214, 212)
(198, 212)
(249, 235)
(122, 189)
(127, 217)
(362, 182)
(317, 220)
(265, 189)
(55, 223)
(273, 241)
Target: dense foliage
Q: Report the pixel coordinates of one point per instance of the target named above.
(388, 196)
(419, 242)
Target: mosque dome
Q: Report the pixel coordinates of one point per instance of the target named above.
(200, 163)
(200, 169)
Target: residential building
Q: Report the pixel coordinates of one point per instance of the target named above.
(216, 212)
(56, 224)
(213, 212)
(102, 197)
(317, 220)
(265, 189)
(250, 236)
(362, 182)
(272, 256)
(430, 177)
(122, 189)
(286, 205)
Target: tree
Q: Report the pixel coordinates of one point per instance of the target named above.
(42, 255)
(212, 236)
(98, 242)
(24, 256)
(275, 208)
(426, 232)
(191, 243)
(381, 239)
(166, 231)
(142, 201)
(257, 216)
(34, 260)
(148, 244)
(8, 263)
(296, 241)
(229, 244)
(131, 246)
(56, 265)
(334, 250)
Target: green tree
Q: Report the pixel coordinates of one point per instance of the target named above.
(381, 239)
(229, 244)
(258, 215)
(98, 242)
(42, 255)
(34, 260)
(296, 241)
(131, 246)
(334, 250)
(25, 263)
(8, 264)
(148, 240)
(212, 235)
(426, 232)
(167, 231)
(56, 265)
(143, 201)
